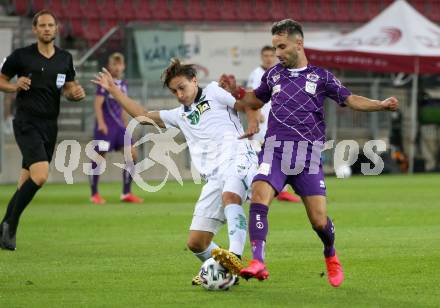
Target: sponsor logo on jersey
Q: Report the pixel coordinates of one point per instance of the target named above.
(203, 106)
(194, 116)
(312, 77)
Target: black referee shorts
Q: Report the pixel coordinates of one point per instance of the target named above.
(36, 139)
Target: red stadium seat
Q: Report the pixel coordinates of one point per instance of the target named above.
(327, 13)
(38, 5)
(295, 11)
(227, 11)
(57, 8)
(419, 5)
(178, 9)
(262, 9)
(195, 10)
(311, 13)
(143, 11)
(89, 9)
(373, 8)
(73, 9)
(76, 28)
(433, 10)
(160, 10)
(245, 10)
(358, 11)
(92, 31)
(125, 10)
(21, 7)
(342, 10)
(278, 10)
(212, 10)
(107, 10)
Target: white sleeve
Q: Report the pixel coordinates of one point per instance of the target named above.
(170, 117)
(250, 82)
(222, 96)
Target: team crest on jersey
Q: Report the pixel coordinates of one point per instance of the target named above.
(276, 77)
(194, 117)
(276, 89)
(312, 77)
(310, 87)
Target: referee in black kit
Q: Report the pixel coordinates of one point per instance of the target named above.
(44, 72)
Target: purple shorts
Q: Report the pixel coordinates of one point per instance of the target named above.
(114, 137)
(295, 167)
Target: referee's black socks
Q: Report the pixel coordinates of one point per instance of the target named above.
(24, 195)
(10, 206)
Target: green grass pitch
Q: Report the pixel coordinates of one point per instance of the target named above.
(72, 253)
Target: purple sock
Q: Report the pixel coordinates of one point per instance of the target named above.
(258, 227)
(127, 179)
(94, 180)
(327, 236)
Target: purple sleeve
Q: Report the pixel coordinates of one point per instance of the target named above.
(263, 92)
(335, 90)
(100, 91)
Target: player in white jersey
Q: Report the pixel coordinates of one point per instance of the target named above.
(268, 59)
(208, 119)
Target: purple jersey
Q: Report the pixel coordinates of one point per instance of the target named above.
(298, 101)
(111, 110)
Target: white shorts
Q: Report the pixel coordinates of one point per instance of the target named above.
(236, 178)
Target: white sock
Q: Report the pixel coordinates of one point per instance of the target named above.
(237, 228)
(205, 255)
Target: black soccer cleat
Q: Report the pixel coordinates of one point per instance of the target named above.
(7, 240)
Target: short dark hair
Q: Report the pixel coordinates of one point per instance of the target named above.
(267, 48)
(43, 12)
(288, 26)
(177, 69)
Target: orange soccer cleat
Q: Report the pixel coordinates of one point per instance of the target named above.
(97, 199)
(130, 198)
(286, 196)
(335, 274)
(256, 269)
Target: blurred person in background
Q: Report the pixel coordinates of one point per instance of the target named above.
(110, 125)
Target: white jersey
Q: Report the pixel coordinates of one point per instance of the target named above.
(211, 127)
(254, 82)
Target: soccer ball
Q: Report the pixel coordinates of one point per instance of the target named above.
(343, 172)
(215, 277)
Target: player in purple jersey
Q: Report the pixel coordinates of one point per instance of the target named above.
(297, 91)
(110, 126)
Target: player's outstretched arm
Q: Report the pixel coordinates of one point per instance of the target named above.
(244, 98)
(73, 91)
(105, 80)
(361, 103)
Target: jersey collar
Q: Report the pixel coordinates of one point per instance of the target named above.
(196, 100)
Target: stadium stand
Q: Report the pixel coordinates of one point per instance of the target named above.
(99, 15)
